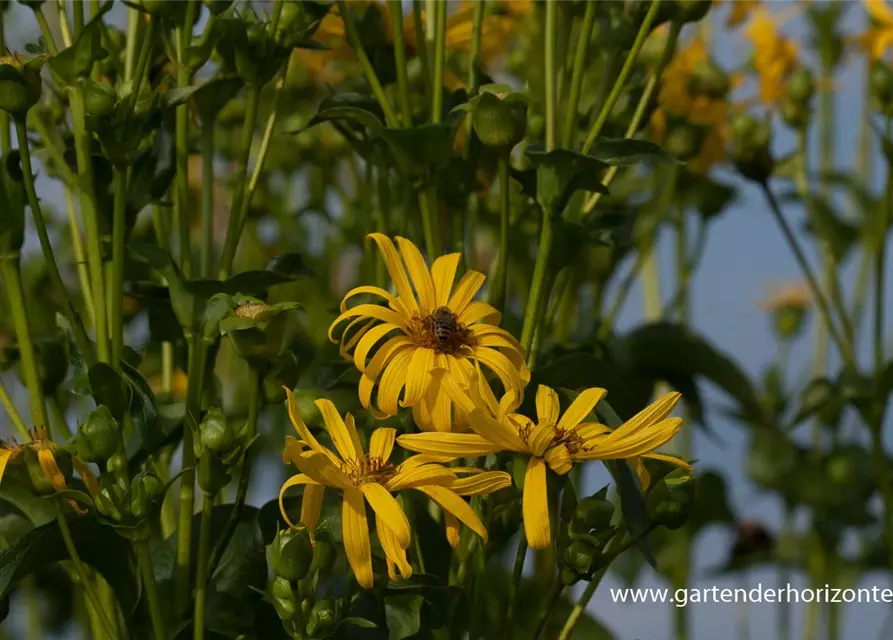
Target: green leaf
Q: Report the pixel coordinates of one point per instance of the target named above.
(561, 172)
(665, 349)
(143, 409)
(422, 150)
(209, 97)
(77, 60)
(108, 387)
(711, 502)
(353, 107)
(816, 395)
(403, 615)
(38, 510)
(626, 152)
(360, 623)
(99, 547)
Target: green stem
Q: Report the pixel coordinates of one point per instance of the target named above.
(477, 29)
(81, 571)
(439, 61)
(207, 197)
(78, 18)
(381, 220)
(517, 572)
(32, 602)
(232, 229)
(625, 71)
(142, 65)
(80, 256)
(422, 48)
(18, 308)
(499, 292)
(824, 306)
(538, 292)
(880, 270)
(641, 107)
(580, 60)
(182, 142)
(64, 29)
(5, 138)
(13, 414)
(396, 7)
(549, 603)
(430, 228)
(201, 579)
(133, 29)
(77, 327)
(264, 144)
(551, 28)
(144, 558)
(580, 606)
(45, 30)
(116, 291)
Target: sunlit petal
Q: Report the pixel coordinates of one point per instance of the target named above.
(458, 445)
(547, 406)
(465, 291)
(418, 274)
(395, 554)
(443, 272)
(395, 269)
(418, 376)
(293, 481)
(355, 531)
(392, 382)
(483, 483)
(382, 443)
(581, 407)
(367, 342)
(535, 505)
(452, 503)
(346, 442)
(387, 508)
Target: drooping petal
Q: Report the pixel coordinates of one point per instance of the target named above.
(547, 406)
(379, 361)
(581, 407)
(452, 503)
(370, 311)
(559, 459)
(5, 455)
(655, 412)
(443, 273)
(483, 483)
(50, 469)
(535, 505)
(501, 366)
(459, 445)
(418, 274)
(392, 382)
(389, 510)
(294, 481)
(451, 523)
(465, 291)
(364, 346)
(382, 443)
(395, 269)
(322, 469)
(442, 378)
(356, 291)
(298, 423)
(311, 506)
(355, 531)
(418, 376)
(630, 443)
(499, 432)
(679, 462)
(420, 475)
(395, 554)
(347, 443)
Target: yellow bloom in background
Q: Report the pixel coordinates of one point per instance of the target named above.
(371, 478)
(774, 56)
(554, 440)
(793, 295)
(878, 38)
(739, 11)
(429, 324)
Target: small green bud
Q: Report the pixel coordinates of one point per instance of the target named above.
(322, 618)
(20, 85)
(323, 556)
(710, 81)
(144, 489)
(580, 555)
(97, 439)
(283, 593)
(569, 577)
(750, 147)
(789, 321)
(670, 501)
(880, 85)
(213, 474)
(215, 432)
(291, 554)
(690, 10)
(594, 513)
(795, 114)
(800, 85)
(500, 119)
(216, 7)
(683, 141)
(299, 21)
(100, 98)
(107, 507)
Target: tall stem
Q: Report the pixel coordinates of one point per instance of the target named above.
(439, 61)
(548, 604)
(45, 30)
(421, 47)
(182, 141)
(133, 28)
(551, 28)
(77, 327)
(477, 29)
(517, 572)
(18, 308)
(581, 605)
(570, 115)
(207, 245)
(396, 10)
(430, 229)
(499, 292)
(5, 138)
(144, 558)
(625, 71)
(13, 414)
(201, 579)
(116, 292)
(80, 256)
(538, 293)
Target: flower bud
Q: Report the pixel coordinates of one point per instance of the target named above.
(795, 114)
(690, 10)
(789, 321)
(100, 98)
(20, 85)
(500, 119)
(569, 577)
(107, 507)
(216, 7)
(670, 501)
(144, 489)
(684, 140)
(580, 555)
(291, 554)
(323, 555)
(213, 473)
(800, 84)
(215, 432)
(97, 438)
(299, 21)
(594, 513)
(750, 147)
(322, 618)
(257, 330)
(283, 593)
(710, 81)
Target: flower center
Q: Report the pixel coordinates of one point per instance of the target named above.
(367, 469)
(441, 331)
(569, 438)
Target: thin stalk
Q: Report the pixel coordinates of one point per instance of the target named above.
(580, 606)
(64, 28)
(880, 270)
(181, 192)
(371, 77)
(133, 28)
(18, 308)
(142, 64)
(5, 138)
(625, 71)
(580, 57)
(45, 30)
(439, 61)
(396, 10)
(207, 244)
(265, 142)
(232, 229)
(77, 12)
(107, 626)
(13, 414)
(499, 292)
(477, 29)
(77, 327)
(144, 558)
(430, 228)
(517, 572)
(381, 220)
(538, 292)
(201, 579)
(32, 602)
(421, 47)
(551, 28)
(825, 308)
(623, 290)
(548, 604)
(80, 256)
(116, 291)
(641, 107)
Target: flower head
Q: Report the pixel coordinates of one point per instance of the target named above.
(878, 38)
(50, 476)
(774, 56)
(428, 324)
(793, 295)
(371, 477)
(553, 440)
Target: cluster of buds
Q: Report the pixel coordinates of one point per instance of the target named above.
(218, 448)
(127, 507)
(795, 107)
(669, 502)
(587, 529)
(751, 147)
(499, 116)
(298, 566)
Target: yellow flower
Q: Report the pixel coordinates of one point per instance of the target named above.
(428, 324)
(794, 295)
(739, 12)
(44, 449)
(774, 56)
(878, 38)
(554, 440)
(370, 477)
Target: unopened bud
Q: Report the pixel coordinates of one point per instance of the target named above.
(322, 618)
(97, 439)
(291, 554)
(670, 501)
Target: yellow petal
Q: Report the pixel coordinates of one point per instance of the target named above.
(679, 462)
(535, 505)
(501, 366)
(559, 459)
(581, 407)
(465, 291)
(420, 475)
(443, 379)
(638, 466)
(346, 441)
(879, 11)
(355, 531)
(478, 311)
(395, 269)
(418, 376)
(298, 422)
(387, 508)
(311, 505)
(382, 443)
(452, 529)
(364, 346)
(379, 361)
(452, 503)
(459, 445)
(376, 291)
(483, 483)
(589, 430)
(50, 469)
(499, 432)
(547, 407)
(443, 273)
(322, 469)
(369, 311)
(540, 438)
(436, 412)
(299, 479)
(418, 274)
(5, 455)
(630, 443)
(655, 412)
(392, 381)
(391, 548)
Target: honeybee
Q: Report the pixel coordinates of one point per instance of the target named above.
(448, 334)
